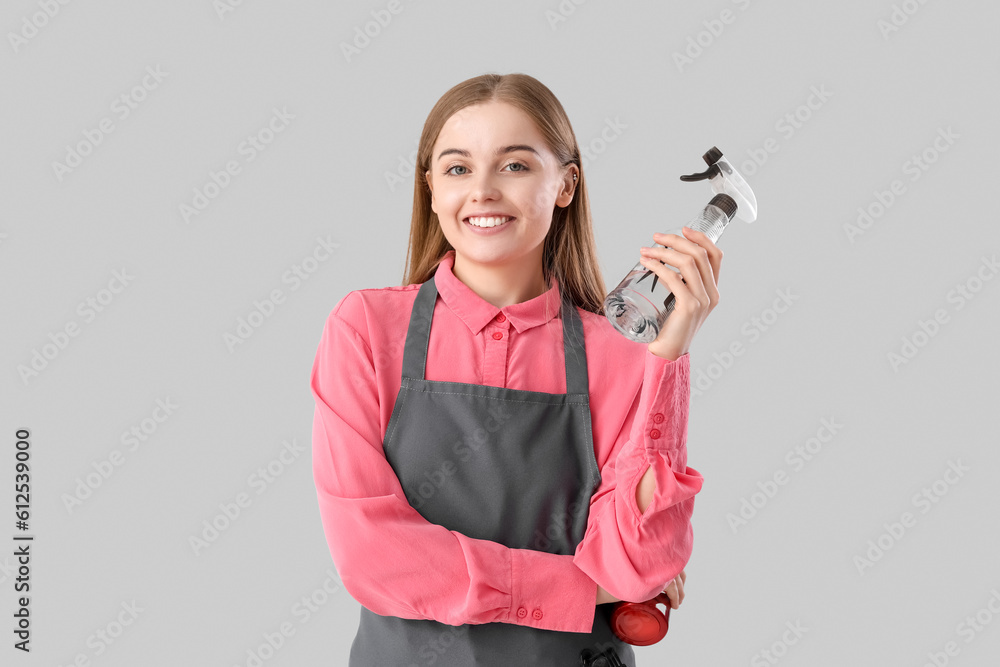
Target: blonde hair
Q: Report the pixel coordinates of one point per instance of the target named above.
(569, 253)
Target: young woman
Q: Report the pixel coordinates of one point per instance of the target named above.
(496, 465)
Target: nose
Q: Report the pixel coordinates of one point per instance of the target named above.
(484, 187)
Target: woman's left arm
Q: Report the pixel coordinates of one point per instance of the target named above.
(639, 535)
(696, 292)
(633, 552)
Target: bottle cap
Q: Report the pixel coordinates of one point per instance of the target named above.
(712, 156)
(726, 203)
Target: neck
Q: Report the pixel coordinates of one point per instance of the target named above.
(505, 283)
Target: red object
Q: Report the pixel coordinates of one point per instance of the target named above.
(641, 623)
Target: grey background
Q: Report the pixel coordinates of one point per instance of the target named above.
(354, 121)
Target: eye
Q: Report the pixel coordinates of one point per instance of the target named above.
(521, 165)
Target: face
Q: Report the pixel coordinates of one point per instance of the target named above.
(491, 158)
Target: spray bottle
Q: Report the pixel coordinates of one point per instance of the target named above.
(641, 303)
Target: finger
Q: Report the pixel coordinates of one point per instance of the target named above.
(675, 593)
(684, 246)
(693, 270)
(714, 252)
(699, 246)
(685, 297)
(697, 241)
(672, 594)
(673, 280)
(683, 576)
(678, 587)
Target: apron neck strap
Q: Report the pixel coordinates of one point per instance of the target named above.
(419, 331)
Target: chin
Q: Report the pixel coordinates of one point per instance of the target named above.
(484, 255)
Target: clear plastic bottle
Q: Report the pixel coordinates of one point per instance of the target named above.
(641, 303)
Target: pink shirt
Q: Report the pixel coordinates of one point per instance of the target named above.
(395, 562)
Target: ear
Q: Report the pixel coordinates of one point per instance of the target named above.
(430, 186)
(570, 179)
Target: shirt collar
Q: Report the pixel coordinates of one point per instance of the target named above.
(476, 312)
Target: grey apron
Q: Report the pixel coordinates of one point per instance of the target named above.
(511, 466)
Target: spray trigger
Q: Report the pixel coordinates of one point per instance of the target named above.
(711, 172)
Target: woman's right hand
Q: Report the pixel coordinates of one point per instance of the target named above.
(673, 588)
(603, 597)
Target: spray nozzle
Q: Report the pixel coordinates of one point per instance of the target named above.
(726, 180)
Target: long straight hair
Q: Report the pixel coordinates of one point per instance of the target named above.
(569, 253)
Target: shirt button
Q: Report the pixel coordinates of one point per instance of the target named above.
(497, 335)
(522, 612)
(537, 614)
(654, 434)
(500, 317)
(658, 417)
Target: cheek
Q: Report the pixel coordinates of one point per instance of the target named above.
(447, 202)
(539, 203)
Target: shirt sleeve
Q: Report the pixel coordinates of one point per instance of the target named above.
(391, 559)
(633, 554)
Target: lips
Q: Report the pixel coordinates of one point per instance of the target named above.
(487, 221)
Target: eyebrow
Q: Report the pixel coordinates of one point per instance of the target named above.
(500, 151)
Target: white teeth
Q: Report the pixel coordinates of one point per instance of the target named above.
(488, 222)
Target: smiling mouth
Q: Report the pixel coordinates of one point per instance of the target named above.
(488, 222)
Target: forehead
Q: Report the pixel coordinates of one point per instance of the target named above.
(480, 128)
